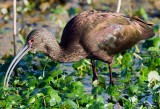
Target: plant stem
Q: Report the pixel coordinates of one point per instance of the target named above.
(118, 6)
(14, 30)
(14, 26)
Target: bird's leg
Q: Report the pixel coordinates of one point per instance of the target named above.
(110, 72)
(95, 75)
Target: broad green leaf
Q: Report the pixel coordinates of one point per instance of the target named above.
(97, 90)
(96, 105)
(55, 73)
(68, 79)
(127, 59)
(71, 104)
(52, 101)
(112, 90)
(38, 103)
(156, 42)
(101, 79)
(32, 99)
(40, 95)
(49, 79)
(100, 99)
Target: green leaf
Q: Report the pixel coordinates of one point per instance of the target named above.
(2, 103)
(71, 104)
(59, 10)
(100, 99)
(110, 106)
(127, 59)
(77, 64)
(156, 42)
(68, 79)
(49, 79)
(54, 97)
(144, 13)
(96, 105)
(97, 90)
(101, 79)
(52, 101)
(32, 99)
(128, 105)
(77, 89)
(77, 84)
(154, 49)
(142, 78)
(32, 82)
(40, 95)
(85, 99)
(8, 105)
(55, 73)
(144, 70)
(157, 62)
(38, 103)
(133, 89)
(112, 90)
(95, 83)
(124, 80)
(10, 98)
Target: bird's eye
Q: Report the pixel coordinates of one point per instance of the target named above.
(32, 40)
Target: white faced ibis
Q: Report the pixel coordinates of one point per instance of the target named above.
(90, 34)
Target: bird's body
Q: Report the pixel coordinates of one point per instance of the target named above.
(98, 35)
(91, 34)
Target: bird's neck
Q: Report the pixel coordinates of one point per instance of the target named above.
(64, 55)
(57, 53)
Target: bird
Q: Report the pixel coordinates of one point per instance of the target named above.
(91, 34)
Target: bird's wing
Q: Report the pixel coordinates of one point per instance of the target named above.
(81, 24)
(114, 34)
(117, 38)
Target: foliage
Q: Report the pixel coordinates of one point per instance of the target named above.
(43, 83)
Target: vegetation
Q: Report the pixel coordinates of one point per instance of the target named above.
(43, 83)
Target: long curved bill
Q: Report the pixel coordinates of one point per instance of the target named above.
(15, 61)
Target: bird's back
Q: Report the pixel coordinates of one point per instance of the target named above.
(100, 31)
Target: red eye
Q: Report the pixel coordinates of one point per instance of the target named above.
(32, 40)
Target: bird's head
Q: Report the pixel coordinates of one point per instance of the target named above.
(36, 41)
